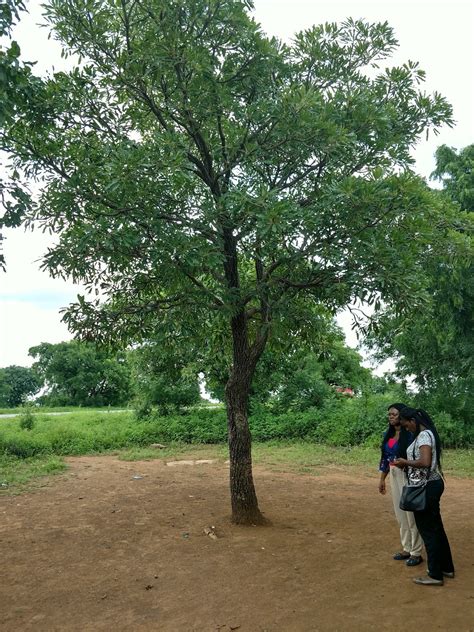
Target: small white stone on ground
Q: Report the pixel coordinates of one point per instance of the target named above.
(210, 532)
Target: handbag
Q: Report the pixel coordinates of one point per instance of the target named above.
(413, 497)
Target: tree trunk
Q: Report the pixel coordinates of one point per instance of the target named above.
(242, 490)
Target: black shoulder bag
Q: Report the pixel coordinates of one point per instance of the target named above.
(413, 497)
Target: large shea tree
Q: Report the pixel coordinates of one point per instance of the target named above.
(206, 182)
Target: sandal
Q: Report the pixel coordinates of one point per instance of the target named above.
(401, 556)
(414, 560)
(428, 581)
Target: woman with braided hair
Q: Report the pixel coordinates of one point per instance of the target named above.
(423, 463)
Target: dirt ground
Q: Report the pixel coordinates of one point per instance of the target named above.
(97, 549)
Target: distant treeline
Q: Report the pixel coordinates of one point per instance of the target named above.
(327, 396)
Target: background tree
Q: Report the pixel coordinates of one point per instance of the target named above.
(167, 381)
(17, 383)
(435, 344)
(206, 179)
(299, 376)
(79, 374)
(17, 83)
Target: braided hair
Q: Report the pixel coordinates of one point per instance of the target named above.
(421, 417)
(404, 438)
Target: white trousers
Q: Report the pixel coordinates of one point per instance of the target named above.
(409, 536)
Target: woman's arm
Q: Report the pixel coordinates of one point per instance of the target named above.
(423, 461)
(382, 488)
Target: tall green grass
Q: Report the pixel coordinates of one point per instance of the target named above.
(73, 433)
(94, 432)
(38, 410)
(291, 442)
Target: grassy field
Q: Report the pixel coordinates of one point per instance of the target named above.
(28, 455)
(300, 457)
(58, 409)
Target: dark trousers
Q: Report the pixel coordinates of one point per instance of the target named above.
(431, 529)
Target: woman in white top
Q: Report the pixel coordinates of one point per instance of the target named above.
(394, 444)
(424, 468)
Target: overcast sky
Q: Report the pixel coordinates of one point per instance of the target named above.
(438, 34)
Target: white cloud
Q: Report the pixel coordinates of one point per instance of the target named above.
(24, 325)
(30, 299)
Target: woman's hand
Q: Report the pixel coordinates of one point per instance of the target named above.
(382, 488)
(401, 463)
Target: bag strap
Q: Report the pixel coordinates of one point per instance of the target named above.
(431, 446)
(440, 471)
(429, 466)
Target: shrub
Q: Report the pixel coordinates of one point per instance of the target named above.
(198, 426)
(339, 422)
(24, 445)
(27, 421)
(453, 434)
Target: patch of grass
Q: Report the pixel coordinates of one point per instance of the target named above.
(175, 451)
(458, 463)
(96, 432)
(60, 409)
(298, 457)
(308, 457)
(74, 433)
(17, 474)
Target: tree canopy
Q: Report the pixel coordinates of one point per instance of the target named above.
(435, 344)
(210, 185)
(76, 373)
(167, 381)
(17, 83)
(17, 383)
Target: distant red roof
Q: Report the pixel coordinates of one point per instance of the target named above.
(349, 392)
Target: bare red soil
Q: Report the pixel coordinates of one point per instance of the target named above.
(97, 549)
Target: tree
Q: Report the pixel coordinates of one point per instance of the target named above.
(210, 182)
(306, 380)
(16, 84)
(78, 374)
(162, 379)
(436, 344)
(17, 383)
(299, 376)
(13, 74)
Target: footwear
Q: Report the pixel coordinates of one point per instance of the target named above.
(401, 556)
(414, 560)
(449, 574)
(428, 581)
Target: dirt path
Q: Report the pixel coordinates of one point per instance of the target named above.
(97, 549)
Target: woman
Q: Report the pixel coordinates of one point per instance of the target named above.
(424, 467)
(394, 444)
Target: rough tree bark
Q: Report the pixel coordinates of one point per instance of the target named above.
(245, 357)
(242, 489)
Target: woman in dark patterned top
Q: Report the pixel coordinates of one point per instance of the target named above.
(424, 468)
(394, 444)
